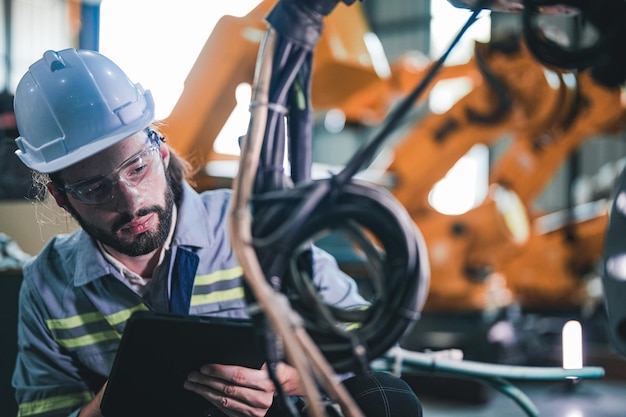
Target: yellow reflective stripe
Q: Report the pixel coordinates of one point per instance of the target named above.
(82, 319)
(352, 326)
(92, 338)
(74, 321)
(121, 316)
(53, 403)
(89, 339)
(217, 296)
(217, 276)
(349, 325)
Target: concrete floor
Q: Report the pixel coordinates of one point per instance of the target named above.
(590, 398)
(602, 397)
(450, 397)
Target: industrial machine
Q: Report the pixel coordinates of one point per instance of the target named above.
(469, 253)
(548, 114)
(476, 257)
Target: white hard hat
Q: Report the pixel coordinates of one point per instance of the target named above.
(71, 104)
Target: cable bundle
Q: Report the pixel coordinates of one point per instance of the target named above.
(604, 56)
(287, 218)
(285, 224)
(275, 219)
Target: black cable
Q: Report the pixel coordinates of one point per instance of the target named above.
(288, 62)
(503, 99)
(400, 274)
(550, 52)
(287, 220)
(299, 127)
(604, 57)
(366, 154)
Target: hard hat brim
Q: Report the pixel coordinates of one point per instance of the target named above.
(84, 152)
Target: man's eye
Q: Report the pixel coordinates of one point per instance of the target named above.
(94, 189)
(137, 169)
(140, 168)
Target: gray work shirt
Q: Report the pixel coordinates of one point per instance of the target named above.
(74, 305)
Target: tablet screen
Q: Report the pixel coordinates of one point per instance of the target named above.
(157, 352)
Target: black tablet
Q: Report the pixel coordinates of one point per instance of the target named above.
(157, 352)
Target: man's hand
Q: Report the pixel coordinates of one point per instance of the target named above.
(239, 391)
(92, 409)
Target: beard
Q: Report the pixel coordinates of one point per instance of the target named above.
(143, 243)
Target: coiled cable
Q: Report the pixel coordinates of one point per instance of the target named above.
(349, 338)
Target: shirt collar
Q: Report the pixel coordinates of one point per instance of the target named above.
(194, 225)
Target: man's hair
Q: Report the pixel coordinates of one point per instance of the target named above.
(179, 170)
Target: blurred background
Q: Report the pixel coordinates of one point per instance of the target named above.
(507, 164)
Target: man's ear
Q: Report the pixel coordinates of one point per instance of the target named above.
(165, 154)
(59, 196)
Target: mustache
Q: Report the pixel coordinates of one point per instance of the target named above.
(125, 218)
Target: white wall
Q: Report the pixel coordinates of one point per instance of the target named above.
(32, 224)
(37, 25)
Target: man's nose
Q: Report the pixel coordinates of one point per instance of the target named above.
(128, 197)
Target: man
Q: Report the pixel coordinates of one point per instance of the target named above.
(146, 237)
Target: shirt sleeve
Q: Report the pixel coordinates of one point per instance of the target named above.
(46, 381)
(336, 287)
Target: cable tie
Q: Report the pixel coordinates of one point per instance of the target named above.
(276, 107)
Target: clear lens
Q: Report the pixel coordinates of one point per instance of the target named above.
(93, 192)
(101, 189)
(135, 170)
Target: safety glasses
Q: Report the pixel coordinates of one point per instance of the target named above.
(132, 172)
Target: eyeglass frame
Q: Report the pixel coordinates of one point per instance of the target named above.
(154, 144)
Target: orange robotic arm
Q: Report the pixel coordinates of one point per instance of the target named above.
(208, 98)
(228, 59)
(534, 157)
(551, 270)
(459, 247)
(497, 105)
